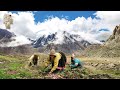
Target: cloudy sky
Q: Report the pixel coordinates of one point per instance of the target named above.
(91, 25)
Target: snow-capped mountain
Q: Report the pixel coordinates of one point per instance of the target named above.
(63, 41)
(60, 41)
(5, 36)
(43, 40)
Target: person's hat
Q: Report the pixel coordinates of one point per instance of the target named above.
(52, 52)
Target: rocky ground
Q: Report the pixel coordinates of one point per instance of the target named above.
(93, 68)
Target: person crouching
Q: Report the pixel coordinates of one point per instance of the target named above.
(58, 61)
(33, 60)
(75, 62)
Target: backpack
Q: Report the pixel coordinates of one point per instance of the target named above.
(63, 60)
(35, 59)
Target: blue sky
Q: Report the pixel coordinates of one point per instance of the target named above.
(71, 15)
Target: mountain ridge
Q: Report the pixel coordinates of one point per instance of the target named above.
(66, 42)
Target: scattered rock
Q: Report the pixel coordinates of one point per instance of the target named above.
(1, 62)
(53, 76)
(100, 76)
(11, 72)
(111, 65)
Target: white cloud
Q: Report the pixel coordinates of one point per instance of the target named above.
(88, 28)
(59, 38)
(103, 35)
(24, 24)
(18, 40)
(108, 19)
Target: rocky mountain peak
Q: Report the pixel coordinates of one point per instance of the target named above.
(115, 37)
(5, 36)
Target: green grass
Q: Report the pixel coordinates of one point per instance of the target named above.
(13, 67)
